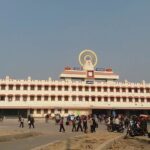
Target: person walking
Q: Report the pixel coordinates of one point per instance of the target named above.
(94, 124)
(29, 121)
(21, 120)
(85, 126)
(91, 124)
(32, 121)
(61, 123)
(46, 118)
(74, 125)
(79, 125)
(143, 126)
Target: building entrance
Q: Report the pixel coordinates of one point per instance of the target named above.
(116, 112)
(100, 111)
(13, 112)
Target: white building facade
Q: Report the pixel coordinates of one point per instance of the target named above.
(79, 92)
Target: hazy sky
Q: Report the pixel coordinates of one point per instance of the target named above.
(38, 38)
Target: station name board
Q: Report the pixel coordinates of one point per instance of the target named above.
(89, 82)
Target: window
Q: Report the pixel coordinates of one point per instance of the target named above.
(141, 90)
(38, 111)
(25, 87)
(10, 97)
(52, 98)
(10, 87)
(73, 98)
(105, 99)
(46, 88)
(130, 99)
(52, 110)
(80, 88)
(73, 88)
(148, 100)
(112, 99)
(24, 97)
(123, 89)
(39, 87)
(142, 99)
(147, 90)
(118, 99)
(136, 90)
(39, 98)
(105, 89)
(2, 98)
(136, 100)
(17, 97)
(99, 99)
(59, 88)
(117, 89)
(32, 98)
(66, 98)
(86, 88)
(17, 87)
(129, 90)
(66, 88)
(45, 111)
(45, 98)
(80, 98)
(3, 87)
(66, 111)
(87, 98)
(59, 98)
(92, 88)
(98, 89)
(93, 98)
(124, 99)
(53, 87)
(32, 87)
(111, 89)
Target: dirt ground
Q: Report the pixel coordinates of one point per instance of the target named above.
(89, 141)
(130, 144)
(93, 141)
(8, 135)
(10, 132)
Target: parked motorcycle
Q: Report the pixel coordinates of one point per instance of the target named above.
(132, 131)
(114, 127)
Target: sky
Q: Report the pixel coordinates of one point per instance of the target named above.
(38, 38)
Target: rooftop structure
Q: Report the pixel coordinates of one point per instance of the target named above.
(88, 60)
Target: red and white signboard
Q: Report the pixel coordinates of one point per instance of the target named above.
(90, 74)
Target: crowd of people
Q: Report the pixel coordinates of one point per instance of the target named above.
(30, 121)
(134, 125)
(79, 123)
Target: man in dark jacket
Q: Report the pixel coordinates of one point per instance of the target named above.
(61, 123)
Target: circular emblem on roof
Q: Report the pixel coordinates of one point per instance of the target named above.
(87, 56)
